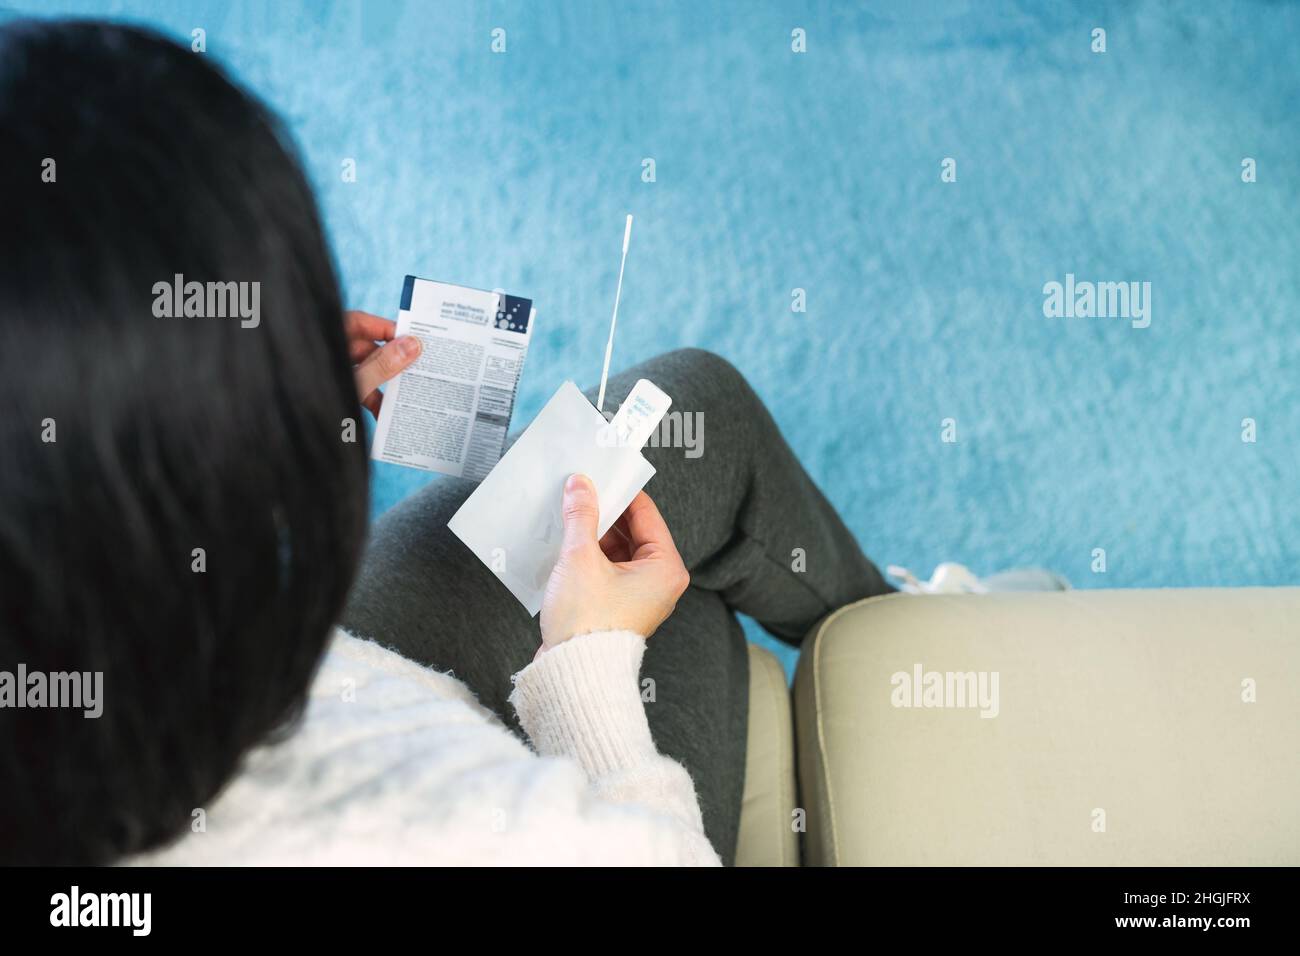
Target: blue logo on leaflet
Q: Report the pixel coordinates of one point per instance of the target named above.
(513, 313)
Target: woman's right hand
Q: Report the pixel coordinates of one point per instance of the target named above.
(628, 581)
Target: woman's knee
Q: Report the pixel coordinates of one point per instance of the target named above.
(705, 378)
(706, 389)
(703, 362)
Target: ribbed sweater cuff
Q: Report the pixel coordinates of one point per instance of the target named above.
(581, 699)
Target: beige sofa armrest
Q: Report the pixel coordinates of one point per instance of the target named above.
(1124, 729)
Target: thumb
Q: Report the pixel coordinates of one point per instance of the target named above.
(385, 363)
(581, 513)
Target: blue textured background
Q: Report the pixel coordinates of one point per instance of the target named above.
(821, 171)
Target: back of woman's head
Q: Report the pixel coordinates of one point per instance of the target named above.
(181, 510)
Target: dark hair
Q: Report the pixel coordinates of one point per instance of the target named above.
(170, 435)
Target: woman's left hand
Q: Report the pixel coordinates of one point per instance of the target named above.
(376, 354)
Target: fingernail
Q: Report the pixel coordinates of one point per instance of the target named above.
(575, 483)
(408, 346)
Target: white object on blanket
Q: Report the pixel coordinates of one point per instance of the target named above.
(948, 578)
(512, 521)
(952, 578)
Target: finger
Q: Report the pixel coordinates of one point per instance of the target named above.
(618, 533)
(373, 328)
(358, 349)
(615, 551)
(615, 546)
(385, 363)
(620, 526)
(372, 401)
(581, 513)
(652, 545)
(646, 528)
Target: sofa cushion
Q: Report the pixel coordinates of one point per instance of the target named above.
(1125, 727)
(767, 837)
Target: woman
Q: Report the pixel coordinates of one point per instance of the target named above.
(184, 505)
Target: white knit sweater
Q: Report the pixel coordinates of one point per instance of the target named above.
(394, 763)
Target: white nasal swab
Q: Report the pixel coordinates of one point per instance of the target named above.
(613, 322)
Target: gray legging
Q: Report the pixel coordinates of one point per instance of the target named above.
(737, 511)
